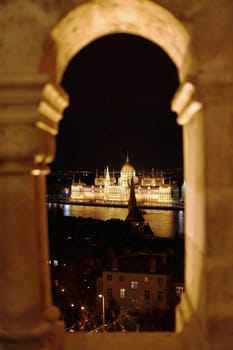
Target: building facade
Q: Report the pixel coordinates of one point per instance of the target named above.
(139, 292)
(149, 189)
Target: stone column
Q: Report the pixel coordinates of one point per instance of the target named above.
(28, 319)
(206, 309)
(190, 313)
(217, 97)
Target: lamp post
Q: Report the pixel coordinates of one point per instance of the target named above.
(103, 311)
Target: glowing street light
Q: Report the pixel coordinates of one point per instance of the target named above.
(103, 311)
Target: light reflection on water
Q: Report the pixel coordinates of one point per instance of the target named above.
(164, 223)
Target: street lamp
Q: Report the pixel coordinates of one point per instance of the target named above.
(103, 312)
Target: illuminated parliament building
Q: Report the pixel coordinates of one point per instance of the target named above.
(150, 190)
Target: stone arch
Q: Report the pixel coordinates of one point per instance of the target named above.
(28, 319)
(95, 19)
(146, 19)
(92, 20)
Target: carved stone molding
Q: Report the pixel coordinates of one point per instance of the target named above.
(21, 89)
(185, 103)
(30, 111)
(51, 108)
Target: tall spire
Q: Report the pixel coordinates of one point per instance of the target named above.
(134, 214)
(139, 227)
(107, 181)
(127, 157)
(132, 197)
(107, 173)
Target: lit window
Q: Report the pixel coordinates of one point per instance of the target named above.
(134, 284)
(109, 277)
(55, 263)
(56, 283)
(147, 295)
(122, 293)
(179, 290)
(146, 279)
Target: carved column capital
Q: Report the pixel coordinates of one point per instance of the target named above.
(185, 103)
(30, 111)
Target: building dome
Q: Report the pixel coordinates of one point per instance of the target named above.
(127, 168)
(127, 173)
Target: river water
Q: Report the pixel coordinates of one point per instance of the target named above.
(164, 223)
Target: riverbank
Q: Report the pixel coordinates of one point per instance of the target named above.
(163, 206)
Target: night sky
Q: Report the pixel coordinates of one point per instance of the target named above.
(120, 89)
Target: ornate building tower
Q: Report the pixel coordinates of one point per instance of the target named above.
(126, 174)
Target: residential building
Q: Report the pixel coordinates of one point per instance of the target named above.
(140, 292)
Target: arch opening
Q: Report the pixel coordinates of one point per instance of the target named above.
(146, 20)
(120, 85)
(120, 88)
(28, 143)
